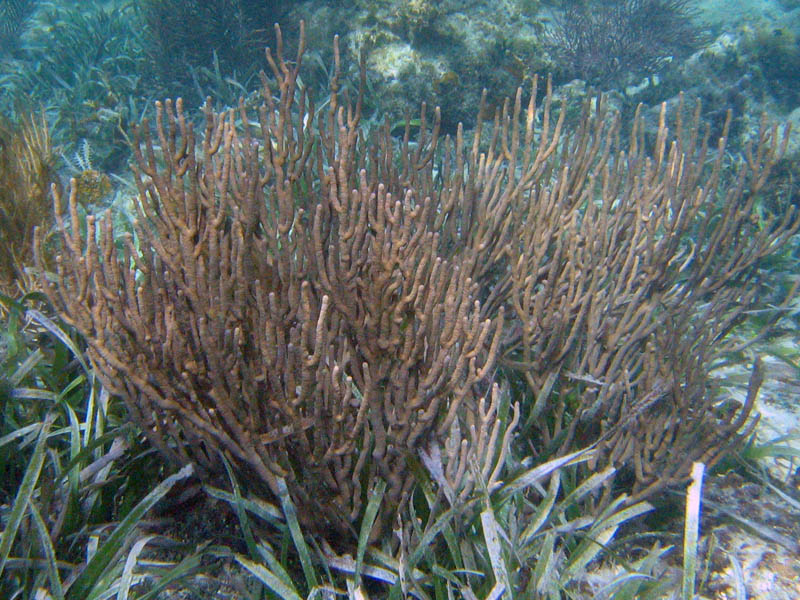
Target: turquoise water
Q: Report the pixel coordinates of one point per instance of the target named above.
(97, 67)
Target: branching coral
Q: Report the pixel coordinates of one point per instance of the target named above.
(323, 309)
(288, 310)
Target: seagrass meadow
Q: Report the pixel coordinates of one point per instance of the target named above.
(320, 307)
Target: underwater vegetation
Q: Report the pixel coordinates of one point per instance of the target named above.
(81, 64)
(776, 55)
(13, 18)
(27, 169)
(607, 42)
(96, 66)
(324, 310)
(192, 44)
(464, 357)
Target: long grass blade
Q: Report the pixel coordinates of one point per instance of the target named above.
(492, 538)
(376, 497)
(24, 393)
(18, 433)
(691, 531)
(539, 472)
(58, 332)
(267, 556)
(241, 513)
(25, 492)
(269, 579)
(389, 572)
(130, 563)
(73, 474)
(26, 367)
(496, 592)
(588, 486)
(186, 566)
(96, 566)
(543, 511)
(626, 514)
(297, 535)
(545, 564)
(441, 522)
(599, 536)
(346, 564)
(624, 586)
(424, 478)
(49, 553)
(740, 588)
(260, 508)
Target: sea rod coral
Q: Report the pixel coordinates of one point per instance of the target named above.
(321, 306)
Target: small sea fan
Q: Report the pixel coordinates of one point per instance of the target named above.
(606, 41)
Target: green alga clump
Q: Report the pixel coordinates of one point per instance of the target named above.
(776, 55)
